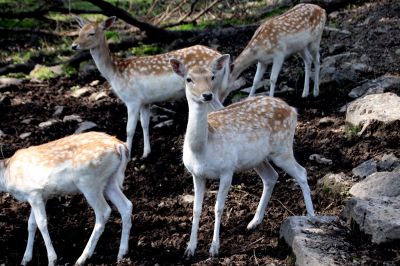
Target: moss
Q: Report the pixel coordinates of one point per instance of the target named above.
(42, 73)
(352, 131)
(146, 49)
(69, 70)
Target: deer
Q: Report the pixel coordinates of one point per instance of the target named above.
(90, 163)
(244, 135)
(140, 81)
(299, 30)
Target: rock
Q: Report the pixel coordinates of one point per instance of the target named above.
(388, 162)
(377, 185)
(365, 169)
(80, 92)
(94, 83)
(334, 184)
(320, 159)
(397, 51)
(58, 110)
(96, 96)
(379, 218)
(336, 48)
(58, 69)
(167, 123)
(10, 81)
(41, 73)
(378, 85)
(335, 69)
(48, 123)
(25, 135)
(187, 198)
(326, 121)
(2, 134)
(380, 107)
(27, 121)
(72, 118)
(84, 126)
(315, 244)
(375, 206)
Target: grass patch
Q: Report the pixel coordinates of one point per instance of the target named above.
(146, 49)
(42, 73)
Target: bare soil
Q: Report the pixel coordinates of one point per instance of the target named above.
(161, 218)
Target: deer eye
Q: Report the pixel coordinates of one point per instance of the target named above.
(213, 77)
(188, 80)
(91, 34)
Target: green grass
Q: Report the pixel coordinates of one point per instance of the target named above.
(146, 49)
(42, 73)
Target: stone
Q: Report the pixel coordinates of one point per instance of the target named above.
(48, 123)
(365, 169)
(377, 185)
(10, 81)
(334, 184)
(388, 161)
(84, 126)
(96, 96)
(337, 69)
(379, 218)
(316, 243)
(336, 48)
(320, 159)
(58, 110)
(167, 123)
(80, 92)
(378, 85)
(25, 135)
(375, 107)
(375, 206)
(94, 83)
(187, 198)
(2, 134)
(72, 118)
(326, 121)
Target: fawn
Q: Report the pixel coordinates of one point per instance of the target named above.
(141, 81)
(299, 30)
(244, 135)
(91, 163)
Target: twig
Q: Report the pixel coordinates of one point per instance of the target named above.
(258, 240)
(330, 204)
(283, 205)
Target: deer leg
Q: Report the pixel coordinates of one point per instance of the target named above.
(314, 50)
(124, 207)
(133, 112)
(276, 68)
(224, 185)
(261, 67)
(199, 189)
(39, 211)
(269, 177)
(145, 121)
(102, 211)
(305, 54)
(32, 227)
(299, 173)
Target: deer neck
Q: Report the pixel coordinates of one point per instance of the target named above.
(197, 129)
(103, 59)
(242, 62)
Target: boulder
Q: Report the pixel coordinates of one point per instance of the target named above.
(365, 169)
(375, 206)
(375, 107)
(84, 126)
(388, 162)
(334, 184)
(318, 243)
(378, 85)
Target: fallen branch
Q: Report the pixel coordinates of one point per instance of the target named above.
(17, 68)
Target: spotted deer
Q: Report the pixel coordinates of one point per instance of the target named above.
(299, 30)
(90, 163)
(141, 81)
(244, 135)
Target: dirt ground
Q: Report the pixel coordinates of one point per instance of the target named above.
(156, 185)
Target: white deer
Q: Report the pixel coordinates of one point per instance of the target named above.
(299, 30)
(90, 163)
(244, 135)
(141, 81)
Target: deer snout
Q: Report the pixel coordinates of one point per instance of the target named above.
(75, 46)
(207, 96)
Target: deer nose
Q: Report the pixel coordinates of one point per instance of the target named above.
(207, 96)
(74, 46)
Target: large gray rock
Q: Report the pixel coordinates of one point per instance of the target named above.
(376, 107)
(378, 85)
(365, 169)
(316, 243)
(388, 162)
(375, 206)
(377, 185)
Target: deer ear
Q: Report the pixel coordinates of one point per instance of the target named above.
(220, 62)
(178, 67)
(108, 22)
(81, 21)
